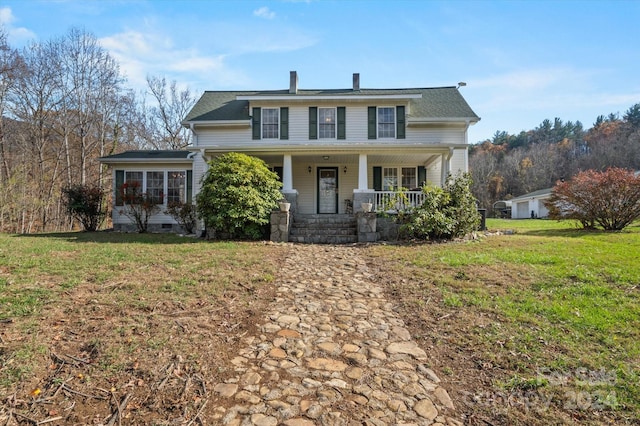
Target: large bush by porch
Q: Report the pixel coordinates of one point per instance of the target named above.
(445, 213)
(238, 193)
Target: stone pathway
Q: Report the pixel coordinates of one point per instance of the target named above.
(332, 352)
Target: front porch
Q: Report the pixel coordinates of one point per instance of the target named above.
(340, 182)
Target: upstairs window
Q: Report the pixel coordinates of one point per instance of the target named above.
(327, 123)
(270, 120)
(386, 122)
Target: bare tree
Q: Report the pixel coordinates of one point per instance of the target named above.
(9, 68)
(91, 82)
(164, 124)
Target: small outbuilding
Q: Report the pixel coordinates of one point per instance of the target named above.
(531, 205)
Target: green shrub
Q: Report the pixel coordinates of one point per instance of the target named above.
(86, 204)
(446, 213)
(237, 196)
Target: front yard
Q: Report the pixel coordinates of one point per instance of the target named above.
(541, 326)
(90, 322)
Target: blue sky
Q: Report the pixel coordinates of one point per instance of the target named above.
(523, 61)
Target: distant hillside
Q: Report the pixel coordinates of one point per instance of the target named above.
(509, 165)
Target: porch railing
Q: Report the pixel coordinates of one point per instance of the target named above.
(394, 201)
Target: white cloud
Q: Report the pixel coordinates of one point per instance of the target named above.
(6, 16)
(16, 35)
(264, 12)
(141, 54)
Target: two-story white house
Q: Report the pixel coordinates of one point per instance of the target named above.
(333, 149)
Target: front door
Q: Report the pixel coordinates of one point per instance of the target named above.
(328, 190)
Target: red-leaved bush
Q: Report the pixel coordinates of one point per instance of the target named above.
(610, 199)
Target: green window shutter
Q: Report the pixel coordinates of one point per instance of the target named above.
(118, 186)
(372, 132)
(313, 122)
(422, 176)
(284, 123)
(377, 178)
(342, 123)
(189, 186)
(400, 125)
(255, 123)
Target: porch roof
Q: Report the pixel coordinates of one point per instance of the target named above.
(150, 156)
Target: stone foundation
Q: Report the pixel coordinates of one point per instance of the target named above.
(152, 228)
(388, 229)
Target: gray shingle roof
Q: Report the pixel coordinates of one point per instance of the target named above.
(436, 103)
(147, 156)
(538, 193)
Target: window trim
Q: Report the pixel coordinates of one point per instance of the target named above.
(394, 123)
(335, 123)
(263, 123)
(399, 176)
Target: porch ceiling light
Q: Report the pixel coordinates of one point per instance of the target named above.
(325, 157)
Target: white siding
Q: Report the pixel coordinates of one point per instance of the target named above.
(356, 132)
(199, 169)
(458, 161)
(434, 173)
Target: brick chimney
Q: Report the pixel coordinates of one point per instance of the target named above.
(293, 82)
(356, 81)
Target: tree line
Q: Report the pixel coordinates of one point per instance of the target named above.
(63, 103)
(508, 165)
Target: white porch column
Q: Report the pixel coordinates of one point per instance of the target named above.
(445, 166)
(363, 183)
(287, 174)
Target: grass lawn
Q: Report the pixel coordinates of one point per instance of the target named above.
(91, 320)
(536, 326)
(539, 325)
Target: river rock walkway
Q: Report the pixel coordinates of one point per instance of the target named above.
(331, 351)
